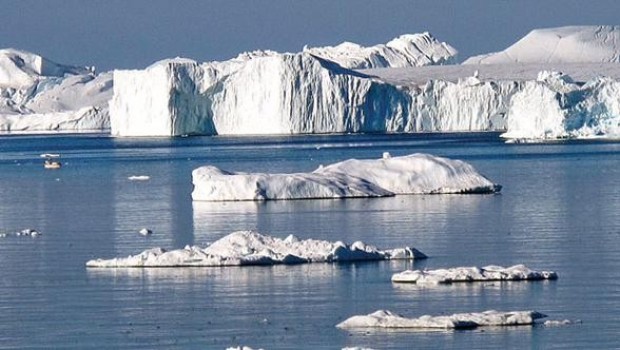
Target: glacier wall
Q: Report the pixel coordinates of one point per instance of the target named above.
(295, 94)
(554, 107)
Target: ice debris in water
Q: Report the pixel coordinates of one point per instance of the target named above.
(552, 323)
(145, 231)
(28, 232)
(387, 319)
(473, 274)
(139, 177)
(252, 248)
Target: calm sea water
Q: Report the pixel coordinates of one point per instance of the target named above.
(559, 210)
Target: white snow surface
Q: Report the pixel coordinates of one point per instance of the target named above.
(252, 248)
(473, 274)
(38, 95)
(562, 44)
(387, 319)
(412, 174)
(409, 50)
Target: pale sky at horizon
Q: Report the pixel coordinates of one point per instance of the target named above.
(133, 34)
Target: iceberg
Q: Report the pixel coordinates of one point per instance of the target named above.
(409, 50)
(387, 319)
(38, 95)
(558, 45)
(413, 174)
(554, 106)
(473, 274)
(252, 248)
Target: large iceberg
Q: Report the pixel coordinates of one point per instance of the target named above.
(554, 106)
(387, 319)
(38, 95)
(409, 50)
(252, 248)
(473, 274)
(557, 45)
(412, 174)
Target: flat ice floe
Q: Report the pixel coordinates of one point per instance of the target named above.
(413, 174)
(252, 248)
(473, 274)
(387, 319)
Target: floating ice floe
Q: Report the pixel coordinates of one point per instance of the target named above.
(388, 176)
(139, 177)
(554, 323)
(252, 248)
(387, 319)
(145, 231)
(28, 232)
(473, 274)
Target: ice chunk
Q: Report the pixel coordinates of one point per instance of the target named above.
(387, 319)
(252, 248)
(412, 174)
(473, 274)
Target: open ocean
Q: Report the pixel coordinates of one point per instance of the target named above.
(559, 210)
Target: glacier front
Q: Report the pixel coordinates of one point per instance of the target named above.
(316, 91)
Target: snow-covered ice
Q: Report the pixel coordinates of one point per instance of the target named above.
(38, 95)
(473, 274)
(387, 319)
(252, 248)
(409, 50)
(555, 106)
(316, 91)
(413, 174)
(562, 44)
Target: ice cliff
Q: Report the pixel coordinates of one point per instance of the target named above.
(554, 106)
(38, 95)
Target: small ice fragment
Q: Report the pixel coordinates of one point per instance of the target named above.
(386, 155)
(550, 323)
(145, 231)
(139, 177)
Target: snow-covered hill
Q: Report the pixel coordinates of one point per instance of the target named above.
(38, 95)
(557, 45)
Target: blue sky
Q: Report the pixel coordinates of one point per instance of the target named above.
(135, 33)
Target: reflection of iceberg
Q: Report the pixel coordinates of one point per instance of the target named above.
(473, 274)
(387, 319)
(251, 248)
(412, 174)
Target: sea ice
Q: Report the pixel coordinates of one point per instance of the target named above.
(252, 248)
(387, 319)
(473, 274)
(388, 176)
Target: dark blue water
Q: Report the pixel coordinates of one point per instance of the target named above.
(559, 210)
